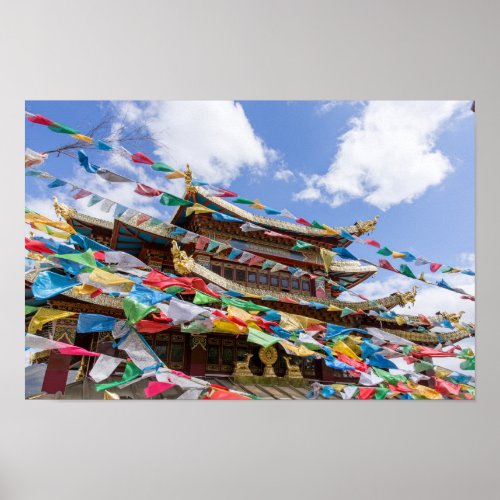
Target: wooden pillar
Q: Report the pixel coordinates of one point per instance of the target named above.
(198, 358)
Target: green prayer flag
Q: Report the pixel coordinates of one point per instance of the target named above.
(468, 364)
(268, 263)
(384, 251)
(301, 245)
(392, 379)
(406, 349)
(194, 327)
(130, 373)
(243, 304)
(86, 258)
(446, 269)
(174, 201)
(346, 311)
(381, 392)
(135, 311)
(174, 289)
(422, 366)
(62, 129)
(201, 298)
(29, 309)
(243, 201)
(161, 167)
(261, 338)
(404, 269)
(212, 245)
(317, 225)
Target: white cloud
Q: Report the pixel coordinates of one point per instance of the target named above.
(389, 154)
(284, 174)
(214, 137)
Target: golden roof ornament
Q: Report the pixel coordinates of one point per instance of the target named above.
(182, 263)
(62, 210)
(407, 297)
(188, 179)
(453, 318)
(366, 226)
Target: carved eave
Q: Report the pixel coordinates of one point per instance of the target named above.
(226, 207)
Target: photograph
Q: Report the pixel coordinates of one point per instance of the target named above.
(250, 250)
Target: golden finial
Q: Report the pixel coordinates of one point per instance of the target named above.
(407, 297)
(366, 226)
(62, 210)
(188, 179)
(182, 263)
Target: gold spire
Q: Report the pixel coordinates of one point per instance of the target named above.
(366, 226)
(62, 210)
(188, 179)
(407, 297)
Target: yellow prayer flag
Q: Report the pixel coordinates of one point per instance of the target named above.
(257, 204)
(327, 257)
(343, 348)
(198, 208)
(84, 138)
(441, 372)
(291, 322)
(45, 315)
(175, 175)
(398, 255)
(301, 350)
(332, 308)
(84, 289)
(31, 217)
(330, 230)
(422, 278)
(45, 228)
(400, 320)
(223, 325)
(109, 279)
(239, 313)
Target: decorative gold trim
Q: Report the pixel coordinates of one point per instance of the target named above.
(366, 226)
(62, 210)
(407, 297)
(182, 263)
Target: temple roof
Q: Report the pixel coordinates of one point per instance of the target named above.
(199, 195)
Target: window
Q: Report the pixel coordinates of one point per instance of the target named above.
(306, 285)
(295, 284)
(274, 280)
(217, 269)
(241, 275)
(252, 277)
(263, 279)
(228, 273)
(285, 283)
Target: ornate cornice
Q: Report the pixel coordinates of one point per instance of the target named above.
(359, 228)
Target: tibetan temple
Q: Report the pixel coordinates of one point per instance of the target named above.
(223, 357)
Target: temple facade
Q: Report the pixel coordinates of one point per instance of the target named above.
(296, 279)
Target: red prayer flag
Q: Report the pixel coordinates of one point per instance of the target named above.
(225, 193)
(41, 120)
(149, 326)
(81, 193)
(385, 264)
(155, 388)
(424, 351)
(99, 255)
(373, 243)
(37, 246)
(142, 158)
(434, 267)
(446, 388)
(142, 218)
(221, 395)
(144, 190)
(202, 242)
(400, 387)
(366, 392)
(362, 367)
(424, 320)
(303, 222)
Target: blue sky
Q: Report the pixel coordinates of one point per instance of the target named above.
(336, 162)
